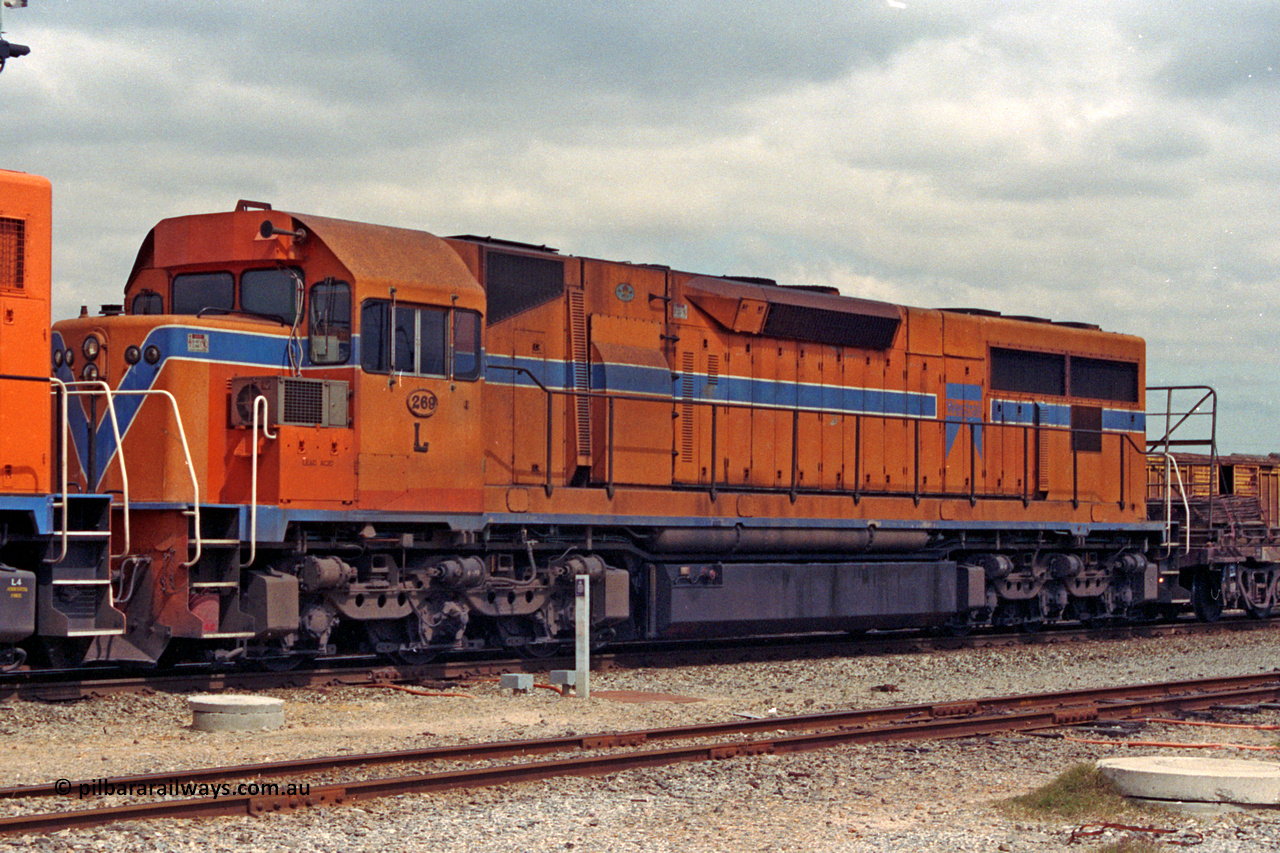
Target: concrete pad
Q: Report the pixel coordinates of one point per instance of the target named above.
(1188, 779)
(235, 713)
(1184, 807)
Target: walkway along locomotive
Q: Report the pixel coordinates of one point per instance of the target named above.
(336, 435)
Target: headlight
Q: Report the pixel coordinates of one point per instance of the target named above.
(132, 355)
(89, 373)
(90, 347)
(151, 354)
(69, 357)
(58, 356)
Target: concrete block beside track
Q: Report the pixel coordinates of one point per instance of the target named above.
(520, 682)
(235, 713)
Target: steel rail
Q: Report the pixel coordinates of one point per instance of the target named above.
(982, 717)
(1059, 703)
(70, 685)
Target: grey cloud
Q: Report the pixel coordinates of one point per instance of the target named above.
(1090, 161)
(1212, 49)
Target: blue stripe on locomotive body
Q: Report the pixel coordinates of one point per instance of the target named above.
(1059, 415)
(664, 383)
(38, 509)
(269, 352)
(964, 400)
(177, 342)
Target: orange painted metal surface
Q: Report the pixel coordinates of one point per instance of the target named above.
(716, 384)
(25, 270)
(397, 375)
(376, 440)
(713, 392)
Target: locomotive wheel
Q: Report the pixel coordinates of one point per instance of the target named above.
(1206, 596)
(62, 653)
(280, 663)
(524, 636)
(399, 631)
(1253, 588)
(1258, 612)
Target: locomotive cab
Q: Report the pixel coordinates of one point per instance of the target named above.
(268, 369)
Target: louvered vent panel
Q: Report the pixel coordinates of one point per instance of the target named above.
(12, 252)
(581, 373)
(686, 391)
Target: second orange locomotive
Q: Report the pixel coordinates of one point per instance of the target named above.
(339, 435)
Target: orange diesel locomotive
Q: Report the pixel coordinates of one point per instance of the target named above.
(325, 435)
(54, 569)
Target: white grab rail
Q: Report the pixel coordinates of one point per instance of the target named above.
(103, 388)
(259, 402)
(1169, 461)
(84, 389)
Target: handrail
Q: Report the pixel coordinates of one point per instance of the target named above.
(186, 450)
(258, 401)
(1170, 428)
(792, 488)
(57, 386)
(1209, 442)
(1168, 504)
(86, 388)
(550, 411)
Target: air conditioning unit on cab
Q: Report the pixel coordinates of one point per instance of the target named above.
(290, 400)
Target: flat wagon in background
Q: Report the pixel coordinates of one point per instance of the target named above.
(1222, 513)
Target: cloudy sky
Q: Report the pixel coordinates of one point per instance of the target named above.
(1109, 162)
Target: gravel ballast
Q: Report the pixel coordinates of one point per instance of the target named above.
(905, 797)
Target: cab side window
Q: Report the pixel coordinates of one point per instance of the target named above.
(419, 340)
(147, 302)
(466, 345)
(330, 327)
(415, 340)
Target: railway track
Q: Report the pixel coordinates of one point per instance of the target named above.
(613, 752)
(70, 685)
